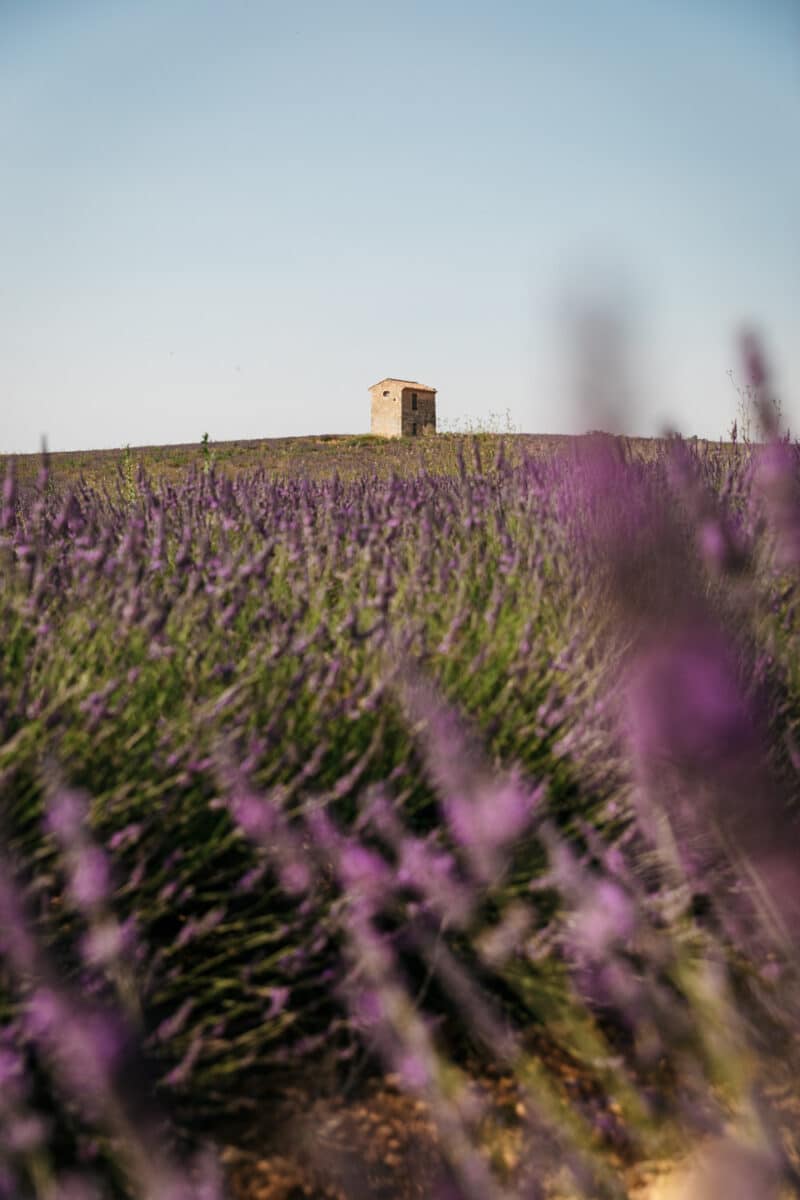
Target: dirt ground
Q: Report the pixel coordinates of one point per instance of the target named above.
(383, 1145)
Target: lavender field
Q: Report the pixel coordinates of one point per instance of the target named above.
(476, 778)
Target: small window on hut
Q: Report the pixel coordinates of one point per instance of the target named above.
(414, 401)
(386, 393)
(413, 428)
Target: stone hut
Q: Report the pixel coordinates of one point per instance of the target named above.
(402, 408)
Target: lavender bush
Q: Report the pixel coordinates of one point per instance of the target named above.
(311, 779)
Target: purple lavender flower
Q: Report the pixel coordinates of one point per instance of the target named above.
(685, 707)
(485, 815)
(90, 881)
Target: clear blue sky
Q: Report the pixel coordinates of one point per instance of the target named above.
(234, 216)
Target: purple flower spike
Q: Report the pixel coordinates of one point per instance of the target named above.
(485, 826)
(414, 1071)
(90, 882)
(604, 920)
(66, 813)
(278, 1000)
(685, 706)
(362, 868)
(485, 814)
(295, 877)
(253, 815)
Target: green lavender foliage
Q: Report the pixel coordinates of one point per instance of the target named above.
(150, 639)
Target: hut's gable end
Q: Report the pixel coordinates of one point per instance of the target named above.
(386, 408)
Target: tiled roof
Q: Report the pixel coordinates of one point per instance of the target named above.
(423, 387)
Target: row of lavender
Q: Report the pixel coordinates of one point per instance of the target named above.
(292, 771)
